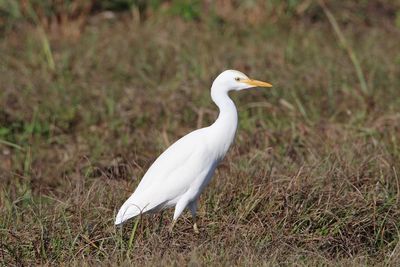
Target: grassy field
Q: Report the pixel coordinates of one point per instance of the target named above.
(88, 104)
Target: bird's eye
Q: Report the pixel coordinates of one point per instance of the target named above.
(237, 79)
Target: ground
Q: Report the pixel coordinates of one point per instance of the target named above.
(313, 175)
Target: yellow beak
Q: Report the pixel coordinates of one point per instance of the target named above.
(256, 83)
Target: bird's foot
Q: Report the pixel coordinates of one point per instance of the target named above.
(196, 229)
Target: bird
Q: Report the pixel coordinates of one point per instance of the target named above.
(179, 175)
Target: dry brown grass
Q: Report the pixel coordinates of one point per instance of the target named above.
(313, 177)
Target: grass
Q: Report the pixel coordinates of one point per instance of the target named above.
(313, 176)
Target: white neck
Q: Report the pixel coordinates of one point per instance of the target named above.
(224, 128)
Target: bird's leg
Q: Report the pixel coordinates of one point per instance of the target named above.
(172, 226)
(180, 206)
(193, 207)
(161, 220)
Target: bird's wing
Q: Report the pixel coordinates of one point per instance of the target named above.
(169, 176)
(174, 157)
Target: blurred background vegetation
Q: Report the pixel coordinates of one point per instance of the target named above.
(55, 14)
(92, 91)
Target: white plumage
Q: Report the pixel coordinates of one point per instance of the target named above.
(181, 172)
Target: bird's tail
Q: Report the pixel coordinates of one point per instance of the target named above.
(127, 211)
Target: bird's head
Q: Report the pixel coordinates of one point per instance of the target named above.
(233, 80)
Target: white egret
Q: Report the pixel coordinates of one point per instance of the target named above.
(181, 172)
